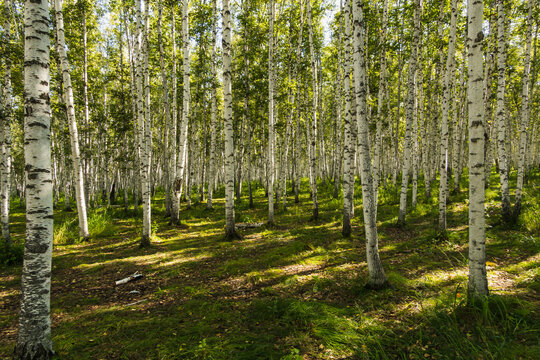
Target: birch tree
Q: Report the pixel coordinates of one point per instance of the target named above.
(5, 133)
(166, 104)
(478, 285)
(34, 333)
(382, 105)
(501, 110)
(315, 98)
(181, 171)
(230, 231)
(410, 107)
(448, 85)
(271, 156)
(377, 277)
(349, 147)
(212, 164)
(74, 134)
(525, 110)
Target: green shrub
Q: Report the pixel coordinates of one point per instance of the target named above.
(530, 218)
(13, 255)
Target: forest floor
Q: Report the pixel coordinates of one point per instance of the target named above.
(292, 291)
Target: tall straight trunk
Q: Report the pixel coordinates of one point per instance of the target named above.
(34, 333)
(146, 133)
(247, 113)
(271, 155)
(410, 106)
(230, 231)
(349, 145)
(458, 130)
(70, 105)
(167, 106)
(86, 142)
(501, 111)
(315, 98)
(174, 122)
(448, 85)
(382, 108)
(213, 101)
(181, 171)
(377, 277)
(488, 96)
(297, 150)
(337, 161)
(478, 285)
(5, 134)
(525, 111)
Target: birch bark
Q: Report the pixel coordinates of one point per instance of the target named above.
(478, 285)
(377, 277)
(75, 152)
(34, 332)
(525, 111)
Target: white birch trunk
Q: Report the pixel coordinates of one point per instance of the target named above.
(313, 137)
(382, 108)
(410, 106)
(181, 171)
(525, 111)
(377, 277)
(349, 144)
(34, 332)
(5, 134)
(70, 105)
(213, 101)
(501, 111)
(146, 133)
(230, 232)
(271, 155)
(477, 223)
(448, 85)
(173, 125)
(166, 104)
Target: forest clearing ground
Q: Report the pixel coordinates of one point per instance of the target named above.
(292, 291)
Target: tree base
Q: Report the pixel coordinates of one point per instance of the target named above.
(375, 287)
(32, 351)
(347, 229)
(231, 235)
(145, 241)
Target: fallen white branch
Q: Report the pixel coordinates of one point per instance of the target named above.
(249, 225)
(135, 276)
(137, 302)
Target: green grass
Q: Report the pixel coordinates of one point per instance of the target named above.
(289, 292)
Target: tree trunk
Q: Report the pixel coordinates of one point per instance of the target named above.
(382, 108)
(501, 111)
(525, 111)
(166, 104)
(34, 334)
(230, 231)
(75, 152)
(350, 122)
(181, 171)
(448, 85)
(270, 157)
(477, 223)
(411, 100)
(313, 138)
(377, 277)
(5, 134)
(213, 101)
